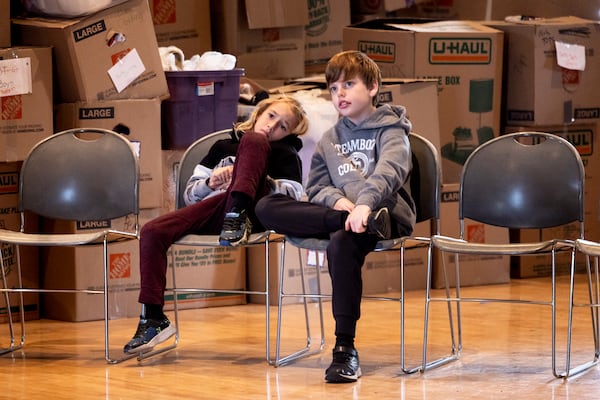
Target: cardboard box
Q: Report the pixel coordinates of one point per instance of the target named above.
(207, 267)
(26, 114)
(585, 138)
(267, 37)
(184, 24)
(474, 269)
(499, 9)
(466, 59)
(373, 7)
(413, 94)
(109, 55)
(543, 88)
(82, 267)
(5, 23)
(139, 120)
(10, 218)
(324, 32)
(381, 270)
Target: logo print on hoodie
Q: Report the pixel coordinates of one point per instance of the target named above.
(354, 150)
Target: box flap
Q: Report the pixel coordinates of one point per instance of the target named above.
(276, 13)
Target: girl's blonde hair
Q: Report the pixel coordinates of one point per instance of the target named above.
(293, 104)
(352, 63)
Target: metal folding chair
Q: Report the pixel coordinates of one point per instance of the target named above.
(524, 180)
(190, 159)
(78, 175)
(425, 184)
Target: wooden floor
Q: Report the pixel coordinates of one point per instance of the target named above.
(506, 355)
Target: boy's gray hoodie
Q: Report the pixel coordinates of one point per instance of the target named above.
(369, 164)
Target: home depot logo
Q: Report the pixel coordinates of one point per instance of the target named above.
(460, 50)
(120, 266)
(378, 51)
(164, 12)
(11, 107)
(475, 233)
(9, 182)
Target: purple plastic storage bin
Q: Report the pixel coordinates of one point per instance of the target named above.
(201, 102)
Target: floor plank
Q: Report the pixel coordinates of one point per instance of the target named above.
(221, 352)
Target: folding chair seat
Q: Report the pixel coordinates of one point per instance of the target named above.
(75, 175)
(190, 159)
(524, 180)
(425, 184)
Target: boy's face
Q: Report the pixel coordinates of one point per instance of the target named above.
(352, 98)
(276, 122)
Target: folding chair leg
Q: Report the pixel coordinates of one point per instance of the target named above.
(456, 346)
(594, 298)
(9, 313)
(281, 360)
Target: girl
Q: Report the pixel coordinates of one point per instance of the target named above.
(261, 157)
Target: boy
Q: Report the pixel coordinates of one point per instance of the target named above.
(357, 183)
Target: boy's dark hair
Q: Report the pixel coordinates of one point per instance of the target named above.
(351, 63)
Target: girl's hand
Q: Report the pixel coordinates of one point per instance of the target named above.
(357, 220)
(220, 178)
(343, 204)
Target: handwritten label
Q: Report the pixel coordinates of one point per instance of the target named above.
(126, 70)
(570, 56)
(15, 76)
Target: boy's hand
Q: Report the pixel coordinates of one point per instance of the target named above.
(343, 204)
(357, 220)
(220, 178)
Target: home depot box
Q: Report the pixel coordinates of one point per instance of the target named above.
(4, 23)
(466, 59)
(585, 138)
(552, 68)
(326, 19)
(25, 100)
(109, 55)
(474, 269)
(210, 268)
(81, 267)
(267, 37)
(10, 218)
(184, 24)
(139, 120)
(381, 270)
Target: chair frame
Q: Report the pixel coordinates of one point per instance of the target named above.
(46, 201)
(187, 163)
(565, 211)
(426, 162)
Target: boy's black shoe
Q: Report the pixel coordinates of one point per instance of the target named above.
(236, 229)
(379, 223)
(150, 332)
(345, 366)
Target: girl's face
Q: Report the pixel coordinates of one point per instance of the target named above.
(352, 98)
(276, 122)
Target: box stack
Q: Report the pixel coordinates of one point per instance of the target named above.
(551, 72)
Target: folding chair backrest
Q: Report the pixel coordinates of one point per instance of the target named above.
(81, 174)
(425, 178)
(192, 157)
(523, 180)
